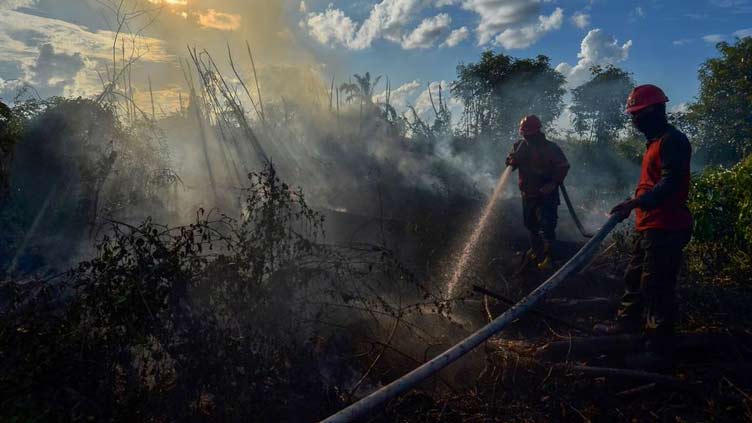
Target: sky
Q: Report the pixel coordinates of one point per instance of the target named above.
(64, 47)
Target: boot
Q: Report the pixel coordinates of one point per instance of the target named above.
(536, 244)
(531, 255)
(545, 264)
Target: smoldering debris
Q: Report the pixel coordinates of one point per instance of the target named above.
(184, 236)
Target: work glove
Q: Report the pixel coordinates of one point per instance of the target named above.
(511, 160)
(624, 209)
(548, 188)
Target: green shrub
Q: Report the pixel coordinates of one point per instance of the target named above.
(9, 133)
(171, 324)
(721, 203)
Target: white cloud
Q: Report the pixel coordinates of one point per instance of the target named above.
(58, 57)
(56, 70)
(681, 107)
(399, 97)
(682, 41)
(16, 4)
(386, 20)
(581, 20)
(639, 11)
(734, 6)
(428, 32)
(50, 74)
(219, 20)
(523, 37)
(743, 33)
(499, 15)
(423, 105)
(713, 38)
(457, 36)
(331, 27)
(597, 48)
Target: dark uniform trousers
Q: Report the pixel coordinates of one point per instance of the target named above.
(540, 214)
(650, 284)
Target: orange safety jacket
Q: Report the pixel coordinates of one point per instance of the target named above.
(663, 189)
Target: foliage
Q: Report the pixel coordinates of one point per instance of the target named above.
(192, 318)
(220, 320)
(724, 106)
(598, 104)
(631, 148)
(9, 134)
(499, 90)
(361, 90)
(721, 203)
(75, 162)
(426, 135)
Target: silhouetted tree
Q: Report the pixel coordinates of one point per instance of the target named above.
(723, 111)
(598, 104)
(499, 90)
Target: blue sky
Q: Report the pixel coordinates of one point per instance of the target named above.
(60, 47)
(669, 38)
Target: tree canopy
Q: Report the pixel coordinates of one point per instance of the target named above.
(722, 113)
(598, 104)
(499, 90)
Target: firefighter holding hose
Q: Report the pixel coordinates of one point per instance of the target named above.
(663, 223)
(542, 168)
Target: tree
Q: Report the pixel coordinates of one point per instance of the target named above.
(362, 89)
(499, 90)
(9, 134)
(598, 104)
(723, 111)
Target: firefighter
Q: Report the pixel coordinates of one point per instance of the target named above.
(663, 223)
(542, 168)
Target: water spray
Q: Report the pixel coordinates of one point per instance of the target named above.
(479, 229)
(428, 369)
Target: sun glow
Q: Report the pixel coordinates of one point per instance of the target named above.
(170, 2)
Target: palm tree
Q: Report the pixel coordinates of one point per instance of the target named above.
(366, 87)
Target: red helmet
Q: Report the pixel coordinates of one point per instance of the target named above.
(645, 96)
(530, 125)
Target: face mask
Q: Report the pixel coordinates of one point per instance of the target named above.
(534, 139)
(650, 123)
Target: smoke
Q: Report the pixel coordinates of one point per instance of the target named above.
(352, 159)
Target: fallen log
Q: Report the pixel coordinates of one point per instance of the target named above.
(638, 390)
(575, 305)
(641, 375)
(589, 346)
(625, 344)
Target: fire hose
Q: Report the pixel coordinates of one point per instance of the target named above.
(572, 212)
(428, 369)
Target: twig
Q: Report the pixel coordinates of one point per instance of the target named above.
(375, 361)
(638, 390)
(632, 374)
(255, 77)
(534, 311)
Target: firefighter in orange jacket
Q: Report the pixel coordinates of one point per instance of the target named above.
(542, 168)
(663, 223)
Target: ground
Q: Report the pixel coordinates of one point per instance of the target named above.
(555, 369)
